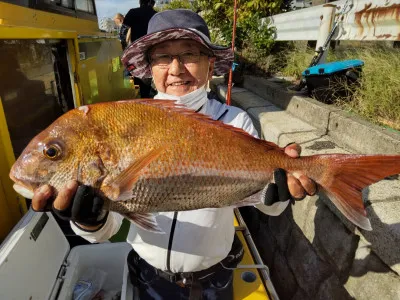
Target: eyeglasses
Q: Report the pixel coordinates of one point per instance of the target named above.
(187, 58)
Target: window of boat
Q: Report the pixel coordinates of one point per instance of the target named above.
(85, 5)
(18, 2)
(35, 86)
(62, 3)
(81, 9)
(67, 3)
(82, 5)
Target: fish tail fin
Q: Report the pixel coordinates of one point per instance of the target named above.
(344, 176)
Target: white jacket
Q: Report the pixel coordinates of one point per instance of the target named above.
(199, 238)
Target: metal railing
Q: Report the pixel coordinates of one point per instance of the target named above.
(263, 269)
(364, 20)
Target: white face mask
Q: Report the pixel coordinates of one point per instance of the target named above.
(194, 100)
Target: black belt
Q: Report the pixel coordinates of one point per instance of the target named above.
(187, 279)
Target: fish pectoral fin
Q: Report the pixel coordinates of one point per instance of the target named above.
(274, 209)
(271, 209)
(258, 200)
(250, 200)
(121, 187)
(145, 221)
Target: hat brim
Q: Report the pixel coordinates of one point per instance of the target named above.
(135, 60)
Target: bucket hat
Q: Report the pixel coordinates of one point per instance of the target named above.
(173, 25)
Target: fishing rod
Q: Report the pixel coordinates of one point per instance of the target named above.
(322, 49)
(228, 94)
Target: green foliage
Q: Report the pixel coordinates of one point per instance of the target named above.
(249, 29)
(175, 4)
(259, 33)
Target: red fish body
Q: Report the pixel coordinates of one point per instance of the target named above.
(149, 156)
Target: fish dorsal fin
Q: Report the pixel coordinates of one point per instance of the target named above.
(121, 187)
(172, 106)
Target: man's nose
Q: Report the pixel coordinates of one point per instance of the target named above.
(176, 67)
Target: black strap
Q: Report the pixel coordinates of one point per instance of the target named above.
(171, 238)
(199, 108)
(222, 115)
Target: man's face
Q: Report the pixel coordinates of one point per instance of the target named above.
(180, 78)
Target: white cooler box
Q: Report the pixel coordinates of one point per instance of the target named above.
(36, 262)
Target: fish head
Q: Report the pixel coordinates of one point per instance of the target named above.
(53, 156)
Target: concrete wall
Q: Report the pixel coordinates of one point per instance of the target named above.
(313, 252)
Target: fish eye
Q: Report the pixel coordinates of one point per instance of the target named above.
(52, 151)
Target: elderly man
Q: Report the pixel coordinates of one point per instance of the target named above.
(190, 259)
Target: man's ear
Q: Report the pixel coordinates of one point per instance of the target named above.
(211, 68)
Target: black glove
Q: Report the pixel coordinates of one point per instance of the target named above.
(276, 196)
(278, 191)
(85, 208)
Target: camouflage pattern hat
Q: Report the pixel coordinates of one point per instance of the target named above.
(173, 25)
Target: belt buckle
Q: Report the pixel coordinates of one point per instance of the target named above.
(183, 282)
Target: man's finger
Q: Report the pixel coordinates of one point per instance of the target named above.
(65, 195)
(295, 187)
(309, 185)
(293, 150)
(40, 198)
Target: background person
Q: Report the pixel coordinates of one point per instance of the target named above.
(137, 20)
(122, 30)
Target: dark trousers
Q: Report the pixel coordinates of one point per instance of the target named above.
(145, 88)
(153, 287)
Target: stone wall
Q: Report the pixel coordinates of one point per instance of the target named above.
(313, 252)
(312, 255)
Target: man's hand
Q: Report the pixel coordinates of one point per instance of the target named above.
(78, 204)
(299, 184)
(286, 187)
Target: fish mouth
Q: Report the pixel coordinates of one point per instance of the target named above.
(23, 187)
(23, 191)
